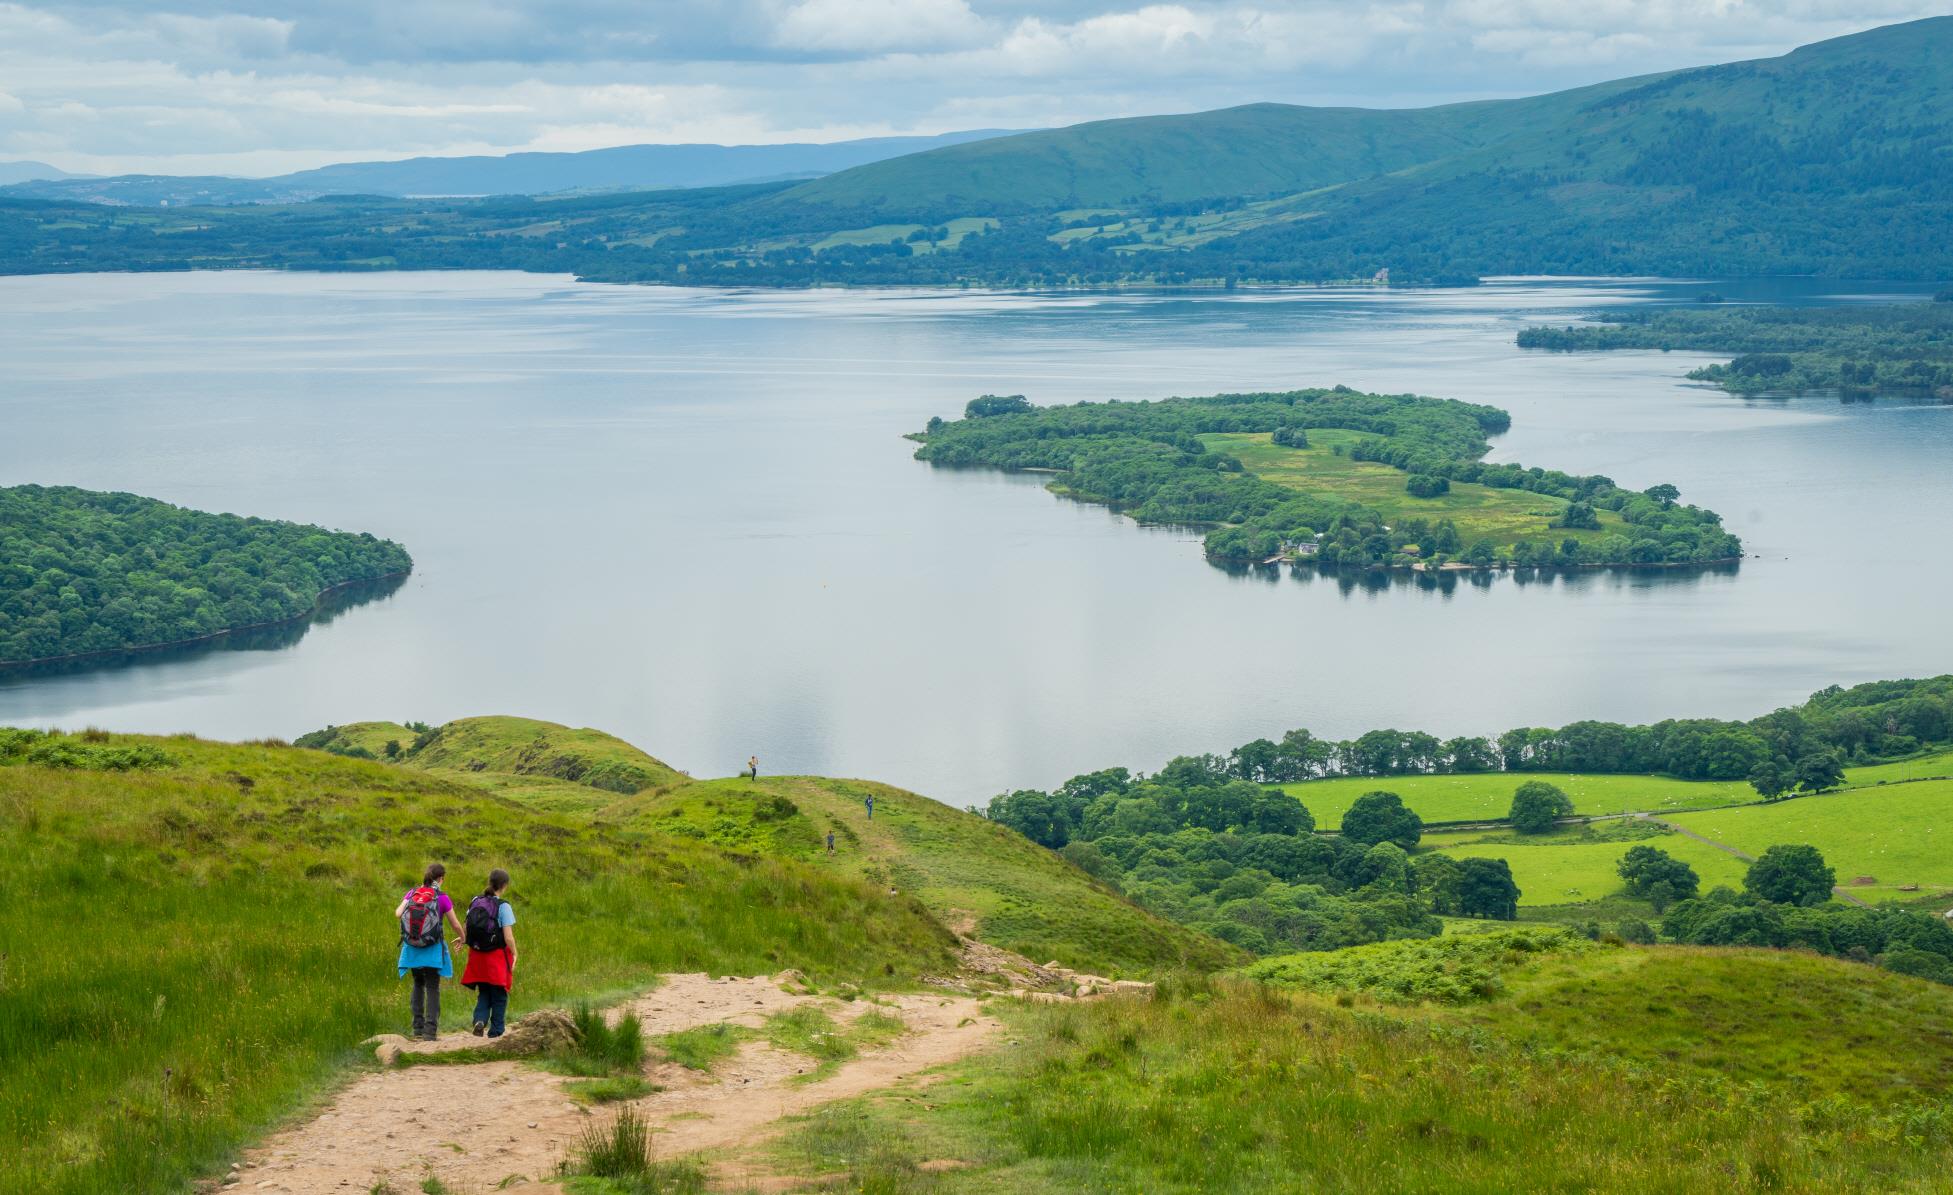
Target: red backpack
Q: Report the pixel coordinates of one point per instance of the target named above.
(420, 921)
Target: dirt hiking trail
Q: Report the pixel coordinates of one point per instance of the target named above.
(477, 1126)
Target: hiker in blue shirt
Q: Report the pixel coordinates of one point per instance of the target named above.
(869, 801)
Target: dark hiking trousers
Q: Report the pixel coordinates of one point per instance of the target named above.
(491, 1007)
(427, 1001)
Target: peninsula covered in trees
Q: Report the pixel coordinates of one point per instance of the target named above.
(1337, 477)
(85, 573)
(1898, 348)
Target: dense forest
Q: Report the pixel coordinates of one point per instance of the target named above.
(1898, 348)
(83, 572)
(1206, 841)
(1147, 459)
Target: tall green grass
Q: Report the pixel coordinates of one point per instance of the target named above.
(193, 951)
(1242, 1089)
(972, 873)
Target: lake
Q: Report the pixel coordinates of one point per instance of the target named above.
(689, 518)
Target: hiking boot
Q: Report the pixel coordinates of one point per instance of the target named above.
(481, 1027)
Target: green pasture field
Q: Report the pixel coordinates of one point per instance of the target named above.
(1899, 834)
(1569, 867)
(1487, 796)
(1481, 512)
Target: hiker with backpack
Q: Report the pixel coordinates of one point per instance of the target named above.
(423, 949)
(491, 954)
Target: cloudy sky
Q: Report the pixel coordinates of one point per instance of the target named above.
(263, 86)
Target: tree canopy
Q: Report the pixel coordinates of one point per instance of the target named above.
(84, 572)
(1794, 874)
(1536, 805)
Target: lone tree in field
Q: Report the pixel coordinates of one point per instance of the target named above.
(1818, 771)
(1791, 875)
(1381, 817)
(1657, 877)
(1537, 805)
(1486, 889)
(1771, 780)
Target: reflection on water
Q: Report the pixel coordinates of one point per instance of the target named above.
(333, 603)
(689, 517)
(1446, 581)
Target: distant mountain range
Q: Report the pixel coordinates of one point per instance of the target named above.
(619, 168)
(1835, 159)
(22, 172)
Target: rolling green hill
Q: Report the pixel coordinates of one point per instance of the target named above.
(979, 877)
(540, 763)
(1828, 160)
(197, 934)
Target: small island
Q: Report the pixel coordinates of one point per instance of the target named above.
(86, 574)
(1896, 348)
(1337, 478)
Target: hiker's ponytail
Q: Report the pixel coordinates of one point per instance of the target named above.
(497, 880)
(434, 872)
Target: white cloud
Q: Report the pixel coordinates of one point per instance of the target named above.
(853, 26)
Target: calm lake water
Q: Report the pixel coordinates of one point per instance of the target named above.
(689, 518)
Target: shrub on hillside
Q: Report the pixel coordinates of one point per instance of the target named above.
(1656, 876)
(1457, 969)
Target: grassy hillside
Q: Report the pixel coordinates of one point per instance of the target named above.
(1589, 1070)
(198, 934)
(1815, 1027)
(982, 878)
(540, 763)
(1254, 150)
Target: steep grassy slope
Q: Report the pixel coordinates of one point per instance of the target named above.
(1825, 1082)
(195, 943)
(979, 877)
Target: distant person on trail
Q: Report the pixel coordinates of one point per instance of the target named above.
(491, 954)
(869, 801)
(752, 768)
(830, 842)
(423, 951)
